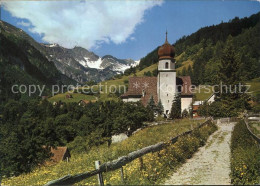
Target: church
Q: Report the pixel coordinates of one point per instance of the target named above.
(164, 87)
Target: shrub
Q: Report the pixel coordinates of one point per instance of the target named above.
(245, 157)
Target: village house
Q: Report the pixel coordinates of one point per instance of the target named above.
(84, 102)
(164, 87)
(60, 154)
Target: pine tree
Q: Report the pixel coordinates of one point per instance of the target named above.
(189, 71)
(184, 72)
(176, 107)
(232, 97)
(185, 113)
(160, 108)
(151, 103)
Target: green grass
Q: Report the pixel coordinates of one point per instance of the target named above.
(185, 64)
(254, 86)
(203, 92)
(255, 127)
(85, 162)
(76, 97)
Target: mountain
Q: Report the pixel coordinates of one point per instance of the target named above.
(22, 63)
(82, 65)
(201, 51)
(78, 63)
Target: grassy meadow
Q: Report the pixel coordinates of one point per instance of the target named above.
(76, 97)
(85, 162)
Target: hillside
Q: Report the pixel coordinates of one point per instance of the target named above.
(22, 63)
(81, 162)
(205, 46)
(117, 82)
(77, 63)
(198, 56)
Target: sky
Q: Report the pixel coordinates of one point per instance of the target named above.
(124, 29)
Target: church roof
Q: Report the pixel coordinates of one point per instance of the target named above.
(166, 51)
(144, 87)
(185, 82)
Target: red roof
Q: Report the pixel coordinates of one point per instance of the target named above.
(142, 85)
(59, 154)
(148, 85)
(185, 82)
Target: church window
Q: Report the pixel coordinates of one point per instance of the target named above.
(168, 101)
(167, 94)
(166, 65)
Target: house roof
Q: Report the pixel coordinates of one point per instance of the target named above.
(197, 103)
(148, 86)
(142, 85)
(86, 101)
(59, 153)
(185, 83)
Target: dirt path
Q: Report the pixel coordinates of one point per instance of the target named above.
(210, 165)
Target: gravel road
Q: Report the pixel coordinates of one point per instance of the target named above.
(211, 164)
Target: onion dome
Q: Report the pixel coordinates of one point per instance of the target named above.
(166, 51)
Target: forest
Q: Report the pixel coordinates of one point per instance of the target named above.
(205, 47)
(28, 126)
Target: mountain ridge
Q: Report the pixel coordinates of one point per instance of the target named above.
(77, 63)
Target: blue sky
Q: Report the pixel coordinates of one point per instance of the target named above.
(124, 30)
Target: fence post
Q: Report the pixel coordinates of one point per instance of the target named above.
(122, 175)
(141, 163)
(99, 175)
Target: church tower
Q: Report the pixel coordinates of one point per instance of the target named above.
(166, 80)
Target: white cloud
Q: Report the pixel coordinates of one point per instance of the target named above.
(25, 24)
(82, 23)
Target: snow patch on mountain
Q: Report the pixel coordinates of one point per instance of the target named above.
(94, 64)
(136, 63)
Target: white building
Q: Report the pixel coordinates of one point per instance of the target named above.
(163, 87)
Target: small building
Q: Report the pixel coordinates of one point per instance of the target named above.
(195, 108)
(84, 102)
(44, 97)
(60, 154)
(68, 96)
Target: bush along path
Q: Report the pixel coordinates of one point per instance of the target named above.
(245, 157)
(211, 164)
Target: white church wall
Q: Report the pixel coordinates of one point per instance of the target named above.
(167, 89)
(131, 99)
(161, 65)
(185, 104)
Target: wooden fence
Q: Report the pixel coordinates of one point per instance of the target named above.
(251, 133)
(116, 164)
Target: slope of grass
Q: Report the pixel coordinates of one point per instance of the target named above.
(185, 64)
(203, 92)
(255, 127)
(85, 162)
(254, 86)
(76, 97)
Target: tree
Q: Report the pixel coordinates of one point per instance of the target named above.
(160, 108)
(231, 91)
(184, 71)
(176, 107)
(189, 71)
(151, 104)
(185, 113)
(203, 109)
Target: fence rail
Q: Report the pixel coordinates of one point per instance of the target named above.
(118, 163)
(250, 131)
